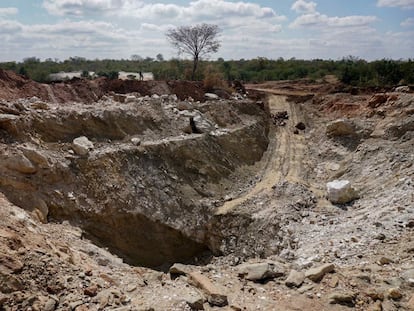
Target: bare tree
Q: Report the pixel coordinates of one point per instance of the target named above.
(197, 41)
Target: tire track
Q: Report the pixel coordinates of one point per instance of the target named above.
(285, 154)
(52, 96)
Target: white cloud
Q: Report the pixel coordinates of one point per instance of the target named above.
(302, 6)
(405, 4)
(196, 9)
(319, 20)
(8, 11)
(63, 39)
(409, 22)
(9, 27)
(83, 7)
(226, 8)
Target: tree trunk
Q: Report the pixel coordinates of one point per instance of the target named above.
(195, 63)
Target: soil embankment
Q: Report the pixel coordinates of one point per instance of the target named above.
(153, 164)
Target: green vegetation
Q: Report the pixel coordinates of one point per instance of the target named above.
(196, 41)
(352, 71)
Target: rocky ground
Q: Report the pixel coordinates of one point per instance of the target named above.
(113, 198)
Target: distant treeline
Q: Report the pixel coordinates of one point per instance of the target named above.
(350, 70)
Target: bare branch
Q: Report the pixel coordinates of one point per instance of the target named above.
(196, 41)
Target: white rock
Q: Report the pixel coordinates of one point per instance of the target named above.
(130, 99)
(5, 117)
(341, 191)
(82, 145)
(211, 96)
(136, 141)
(203, 125)
(403, 88)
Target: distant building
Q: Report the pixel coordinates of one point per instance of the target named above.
(124, 75)
(62, 76)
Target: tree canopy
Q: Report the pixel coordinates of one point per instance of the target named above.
(196, 41)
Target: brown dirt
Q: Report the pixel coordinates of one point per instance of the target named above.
(14, 86)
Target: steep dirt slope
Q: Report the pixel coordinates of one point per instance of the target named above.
(144, 173)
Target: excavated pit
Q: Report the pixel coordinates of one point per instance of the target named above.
(149, 187)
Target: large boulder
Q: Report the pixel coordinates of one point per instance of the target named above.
(341, 191)
(340, 127)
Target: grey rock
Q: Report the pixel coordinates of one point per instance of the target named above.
(317, 273)
(179, 269)
(261, 271)
(36, 156)
(203, 125)
(82, 145)
(342, 298)
(340, 127)
(295, 278)
(400, 127)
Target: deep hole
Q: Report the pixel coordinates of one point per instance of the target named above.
(140, 241)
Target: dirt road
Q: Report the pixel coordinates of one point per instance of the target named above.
(284, 156)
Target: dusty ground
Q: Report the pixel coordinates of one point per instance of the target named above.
(271, 211)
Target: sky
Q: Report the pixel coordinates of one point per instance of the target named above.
(118, 29)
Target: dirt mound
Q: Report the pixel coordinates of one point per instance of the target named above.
(185, 89)
(14, 86)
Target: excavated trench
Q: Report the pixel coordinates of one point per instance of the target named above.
(151, 202)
